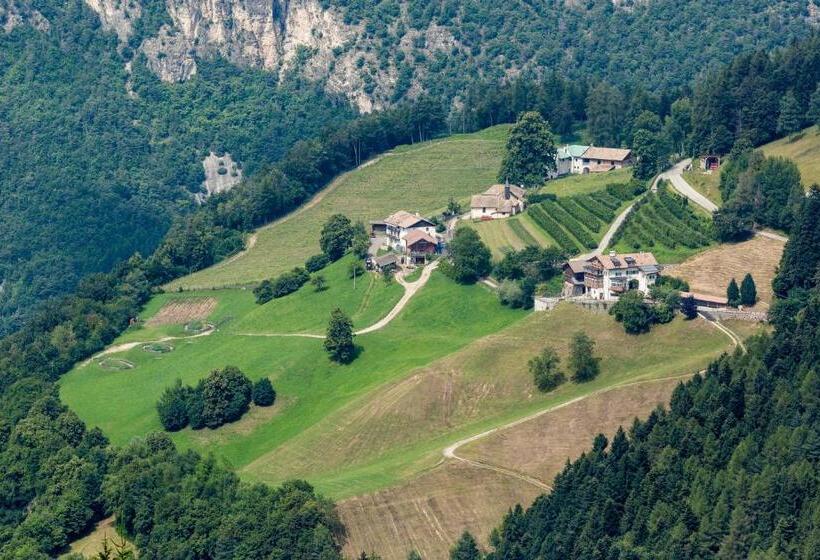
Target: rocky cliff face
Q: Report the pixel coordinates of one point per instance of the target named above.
(278, 35)
(14, 13)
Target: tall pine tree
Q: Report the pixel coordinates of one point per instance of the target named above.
(733, 294)
(790, 117)
(748, 290)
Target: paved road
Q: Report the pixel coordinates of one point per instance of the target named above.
(675, 176)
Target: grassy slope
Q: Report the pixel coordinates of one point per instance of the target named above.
(418, 178)
(399, 430)
(707, 184)
(442, 318)
(805, 152)
(582, 184)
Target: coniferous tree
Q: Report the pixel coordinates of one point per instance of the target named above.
(688, 307)
(263, 392)
(790, 116)
(530, 152)
(465, 549)
(748, 290)
(582, 361)
(339, 340)
(814, 107)
(733, 294)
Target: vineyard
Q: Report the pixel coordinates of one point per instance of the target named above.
(664, 224)
(576, 223)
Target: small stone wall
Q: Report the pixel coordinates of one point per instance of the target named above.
(736, 314)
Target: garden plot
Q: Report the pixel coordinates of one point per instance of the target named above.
(190, 311)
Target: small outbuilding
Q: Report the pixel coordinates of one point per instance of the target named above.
(388, 262)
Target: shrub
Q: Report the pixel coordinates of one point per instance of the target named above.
(289, 282)
(544, 370)
(319, 283)
(316, 262)
(263, 292)
(510, 293)
(263, 393)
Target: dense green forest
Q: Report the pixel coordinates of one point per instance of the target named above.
(662, 43)
(728, 470)
(89, 173)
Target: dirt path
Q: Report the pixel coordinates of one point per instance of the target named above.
(610, 233)
(410, 289)
(125, 346)
(736, 340)
(449, 452)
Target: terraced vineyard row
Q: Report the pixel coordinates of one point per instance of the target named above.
(665, 224)
(576, 223)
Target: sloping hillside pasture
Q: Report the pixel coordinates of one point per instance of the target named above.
(400, 428)
(440, 319)
(665, 225)
(570, 185)
(710, 271)
(418, 178)
(429, 512)
(804, 151)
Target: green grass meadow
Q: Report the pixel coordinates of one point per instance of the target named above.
(442, 318)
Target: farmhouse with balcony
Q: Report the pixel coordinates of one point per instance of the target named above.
(606, 277)
(578, 160)
(499, 201)
(401, 224)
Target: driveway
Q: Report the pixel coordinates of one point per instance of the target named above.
(675, 176)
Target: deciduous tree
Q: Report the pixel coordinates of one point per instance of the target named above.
(336, 236)
(339, 340)
(582, 361)
(544, 370)
(530, 152)
(470, 258)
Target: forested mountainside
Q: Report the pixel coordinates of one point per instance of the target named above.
(729, 470)
(95, 163)
(108, 107)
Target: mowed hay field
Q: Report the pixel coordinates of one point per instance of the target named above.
(569, 185)
(419, 178)
(429, 512)
(805, 152)
(508, 234)
(401, 428)
(707, 184)
(711, 271)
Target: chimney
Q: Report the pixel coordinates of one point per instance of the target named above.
(612, 253)
(507, 189)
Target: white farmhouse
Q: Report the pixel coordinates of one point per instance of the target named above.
(401, 224)
(499, 201)
(569, 159)
(606, 277)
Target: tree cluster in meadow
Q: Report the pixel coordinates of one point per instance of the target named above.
(221, 397)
